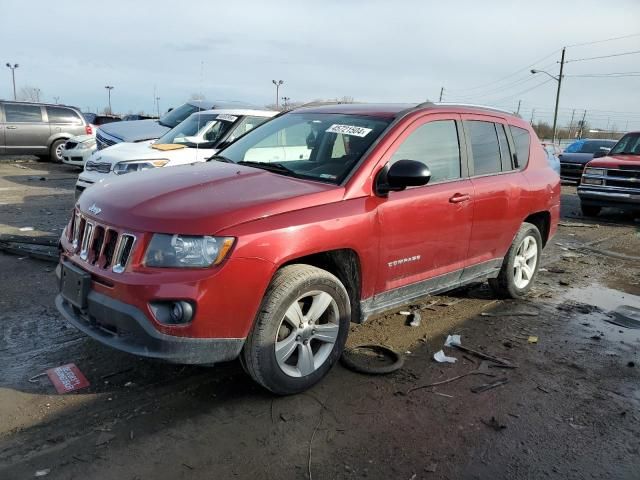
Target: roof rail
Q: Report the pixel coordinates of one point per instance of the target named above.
(471, 105)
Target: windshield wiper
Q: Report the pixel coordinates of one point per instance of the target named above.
(271, 167)
(220, 158)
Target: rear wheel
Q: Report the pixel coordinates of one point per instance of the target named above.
(590, 210)
(300, 330)
(55, 152)
(520, 266)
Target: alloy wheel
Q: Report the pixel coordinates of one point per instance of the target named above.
(525, 261)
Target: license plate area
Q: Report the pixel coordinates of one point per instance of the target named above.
(74, 285)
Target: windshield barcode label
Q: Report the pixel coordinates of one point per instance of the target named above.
(348, 130)
(226, 118)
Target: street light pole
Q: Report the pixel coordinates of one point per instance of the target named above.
(109, 88)
(277, 84)
(13, 76)
(559, 80)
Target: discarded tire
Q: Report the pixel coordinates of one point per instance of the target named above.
(352, 362)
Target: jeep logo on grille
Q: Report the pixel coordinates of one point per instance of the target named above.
(94, 209)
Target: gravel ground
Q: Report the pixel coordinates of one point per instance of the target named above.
(571, 408)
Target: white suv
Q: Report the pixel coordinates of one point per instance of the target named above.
(195, 139)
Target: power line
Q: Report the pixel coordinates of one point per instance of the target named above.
(605, 40)
(606, 75)
(524, 91)
(604, 56)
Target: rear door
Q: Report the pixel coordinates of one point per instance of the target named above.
(65, 121)
(497, 186)
(25, 129)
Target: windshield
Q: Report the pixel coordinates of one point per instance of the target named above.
(323, 147)
(175, 116)
(629, 145)
(202, 130)
(589, 146)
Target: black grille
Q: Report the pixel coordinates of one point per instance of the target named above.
(103, 142)
(622, 183)
(101, 167)
(624, 173)
(69, 145)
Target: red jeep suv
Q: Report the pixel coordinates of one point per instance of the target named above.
(317, 218)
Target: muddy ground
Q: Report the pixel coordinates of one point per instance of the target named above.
(571, 408)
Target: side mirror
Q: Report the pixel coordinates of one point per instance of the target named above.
(402, 174)
(600, 154)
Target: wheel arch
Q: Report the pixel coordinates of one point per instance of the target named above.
(542, 220)
(344, 263)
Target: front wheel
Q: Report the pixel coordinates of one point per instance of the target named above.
(55, 152)
(520, 266)
(300, 330)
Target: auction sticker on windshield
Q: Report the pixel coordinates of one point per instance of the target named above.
(348, 130)
(226, 118)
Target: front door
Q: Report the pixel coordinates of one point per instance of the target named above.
(25, 129)
(425, 230)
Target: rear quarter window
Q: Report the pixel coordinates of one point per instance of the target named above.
(63, 115)
(522, 142)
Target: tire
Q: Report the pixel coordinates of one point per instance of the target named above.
(511, 281)
(297, 293)
(55, 152)
(590, 210)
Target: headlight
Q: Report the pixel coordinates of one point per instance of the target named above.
(186, 250)
(121, 168)
(594, 171)
(86, 145)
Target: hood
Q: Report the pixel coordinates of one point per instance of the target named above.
(575, 157)
(128, 151)
(200, 199)
(617, 161)
(135, 130)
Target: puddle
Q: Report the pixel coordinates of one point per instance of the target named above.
(600, 296)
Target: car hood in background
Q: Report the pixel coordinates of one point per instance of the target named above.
(81, 138)
(200, 199)
(135, 130)
(617, 161)
(575, 157)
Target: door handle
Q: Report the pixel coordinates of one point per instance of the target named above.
(11, 127)
(460, 197)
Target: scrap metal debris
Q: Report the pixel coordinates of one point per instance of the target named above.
(489, 386)
(625, 316)
(67, 378)
(483, 369)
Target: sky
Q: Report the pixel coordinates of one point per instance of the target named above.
(373, 51)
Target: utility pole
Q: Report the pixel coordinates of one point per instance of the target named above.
(277, 84)
(37, 92)
(518, 110)
(555, 113)
(533, 112)
(109, 88)
(13, 76)
(158, 105)
(285, 102)
(56, 100)
(441, 92)
(584, 116)
(571, 122)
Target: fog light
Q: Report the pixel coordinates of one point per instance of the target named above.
(176, 312)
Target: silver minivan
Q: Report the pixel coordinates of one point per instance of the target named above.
(40, 129)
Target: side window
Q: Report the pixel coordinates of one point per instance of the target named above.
(22, 113)
(522, 141)
(505, 151)
(62, 115)
(436, 145)
(246, 124)
(484, 147)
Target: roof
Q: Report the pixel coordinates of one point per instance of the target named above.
(393, 109)
(44, 104)
(257, 112)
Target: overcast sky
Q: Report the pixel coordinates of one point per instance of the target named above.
(369, 50)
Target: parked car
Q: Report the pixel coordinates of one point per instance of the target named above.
(40, 129)
(77, 150)
(267, 254)
(144, 130)
(95, 120)
(613, 180)
(553, 152)
(193, 140)
(137, 116)
(575, 156)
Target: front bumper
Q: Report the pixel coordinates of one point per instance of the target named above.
(76, 156)
(124, 327)
(571, 171)
(627, 200)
